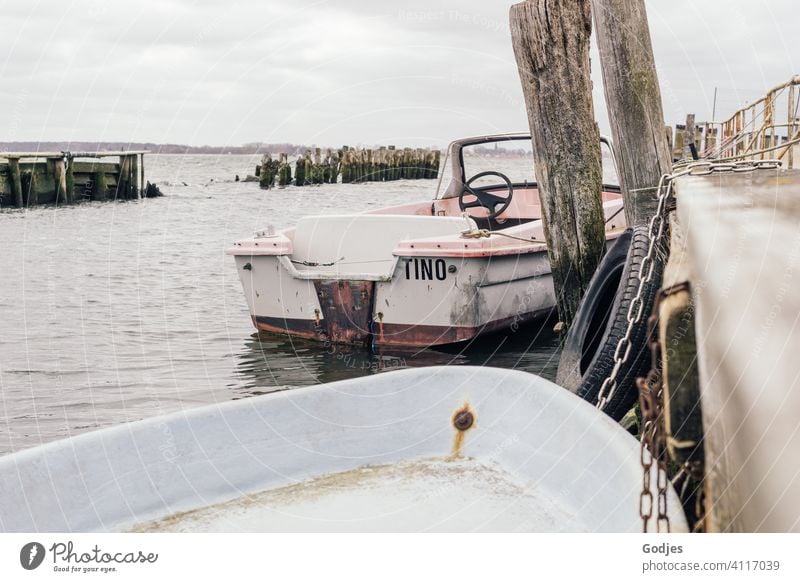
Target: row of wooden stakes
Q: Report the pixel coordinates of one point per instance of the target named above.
(353, 165)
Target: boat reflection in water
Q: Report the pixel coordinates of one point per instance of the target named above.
(269, 361)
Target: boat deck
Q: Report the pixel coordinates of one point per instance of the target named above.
(426, 495)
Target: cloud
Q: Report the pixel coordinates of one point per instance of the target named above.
(334, 72)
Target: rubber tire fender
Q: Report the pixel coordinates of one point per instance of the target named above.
(587, 358)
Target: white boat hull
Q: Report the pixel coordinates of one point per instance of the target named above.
(393, 452)
(423, 303)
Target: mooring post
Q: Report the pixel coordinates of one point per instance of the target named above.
(267, 177)
(30, 187)
(136, 191)
(551, 45)
(123, 181)
(16, 182)
(100, 181)
(680, 142)
(299, 172)
(691, 137)
(284, 170)
(711, 137)
(143, 183)
(633, 97)
(70, 179)
(60, 179)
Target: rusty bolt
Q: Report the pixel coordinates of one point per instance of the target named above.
(463, 419)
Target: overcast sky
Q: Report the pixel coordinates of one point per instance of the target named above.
(336, 71)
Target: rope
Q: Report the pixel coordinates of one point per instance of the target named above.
(313, 264)
(485, 233)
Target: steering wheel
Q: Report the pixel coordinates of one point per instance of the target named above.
(495, 204)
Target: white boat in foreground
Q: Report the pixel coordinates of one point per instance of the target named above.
(472, 260)
(443, 449)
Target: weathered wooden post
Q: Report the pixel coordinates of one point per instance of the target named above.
(336, 158)
(100, 182)
(70, 179)
(30, 187)
(267, 176)
(60, 179)
(711, 137)
(633, 97)
(16, 182)
(680, 142)
(691, 137)
(346, 165)
(551, 45)
(393, 163)
(284, 170)
(300, 171)
(135, 188)
(123, 179)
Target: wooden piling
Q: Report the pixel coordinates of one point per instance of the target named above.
(135, 184)
(123, 182)
(30, 188)
(70, 180)
(300, 172)
(60, 179)
(551, 45)
(634, 102)
(100, 183)
(680, 142)
(284, 170)
(690, 141)
(267, 178)
(16, 182)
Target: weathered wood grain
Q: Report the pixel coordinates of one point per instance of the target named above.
(634, 104)
(743, 254)
(551, 46)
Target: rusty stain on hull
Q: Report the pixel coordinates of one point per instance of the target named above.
(463, 420)
(346, 309)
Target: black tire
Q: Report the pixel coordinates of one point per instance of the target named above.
(602, 320)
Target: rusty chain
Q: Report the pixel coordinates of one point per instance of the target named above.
(653, 437)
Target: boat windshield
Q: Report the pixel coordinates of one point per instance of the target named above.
(514, 158)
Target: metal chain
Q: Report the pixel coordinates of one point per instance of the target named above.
(656, 230)
(651, 397)
(645, 275)
(652, 447)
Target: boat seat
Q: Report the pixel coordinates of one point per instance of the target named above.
(362, 243)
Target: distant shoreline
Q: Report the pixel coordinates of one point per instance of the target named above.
(155, 148)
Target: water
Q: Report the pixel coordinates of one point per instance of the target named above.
(112, 312)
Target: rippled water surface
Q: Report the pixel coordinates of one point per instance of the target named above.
(112, 312)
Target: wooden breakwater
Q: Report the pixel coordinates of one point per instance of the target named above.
(31, 178)
(353, 165)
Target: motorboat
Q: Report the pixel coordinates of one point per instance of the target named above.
(448, 448)
(470, 261)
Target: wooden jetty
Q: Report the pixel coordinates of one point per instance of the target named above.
(729, 329)
(352, 164)
(31, 178)
(719, 407)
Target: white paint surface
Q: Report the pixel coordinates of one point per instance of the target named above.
(374, 453)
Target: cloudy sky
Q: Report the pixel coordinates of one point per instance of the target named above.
(336, 71)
